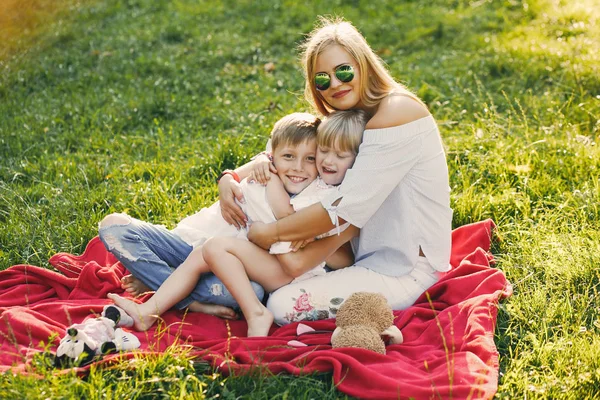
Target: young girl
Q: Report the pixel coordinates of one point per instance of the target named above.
(338, 140)
(397, 191)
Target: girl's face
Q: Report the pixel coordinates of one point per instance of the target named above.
(296, 165)
(332, 165)
(340, 95)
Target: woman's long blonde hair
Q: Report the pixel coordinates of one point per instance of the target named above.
(376, 81)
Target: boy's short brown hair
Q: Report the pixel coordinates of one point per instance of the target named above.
(294, 129)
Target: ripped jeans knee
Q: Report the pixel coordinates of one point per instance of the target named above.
(114, 219)
(114, 230)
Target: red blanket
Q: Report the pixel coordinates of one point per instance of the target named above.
(448, 349)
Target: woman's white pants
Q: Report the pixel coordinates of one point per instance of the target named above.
(320, 297)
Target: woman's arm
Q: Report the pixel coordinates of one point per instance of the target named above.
(303, 224)
(295, 264)
(342, 258)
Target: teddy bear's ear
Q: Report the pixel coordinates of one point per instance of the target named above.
(394, 335)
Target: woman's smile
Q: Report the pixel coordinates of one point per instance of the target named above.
(341, 93)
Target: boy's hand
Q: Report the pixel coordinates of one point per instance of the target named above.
(229, 190)
(261, 170)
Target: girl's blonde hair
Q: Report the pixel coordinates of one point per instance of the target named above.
(343, 130)
(376, 81)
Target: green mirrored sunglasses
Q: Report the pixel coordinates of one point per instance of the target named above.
(344, 72)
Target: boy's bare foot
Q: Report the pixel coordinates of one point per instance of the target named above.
(213, 309)
(142, 320)
(133, 285)
(260, 323)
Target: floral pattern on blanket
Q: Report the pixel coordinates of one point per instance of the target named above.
(307, 308)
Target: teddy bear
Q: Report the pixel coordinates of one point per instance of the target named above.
(85, 342)
(362, 320)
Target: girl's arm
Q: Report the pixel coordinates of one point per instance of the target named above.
(278, 198)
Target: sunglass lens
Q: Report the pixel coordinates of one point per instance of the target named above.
(345, 73)
(322, 81)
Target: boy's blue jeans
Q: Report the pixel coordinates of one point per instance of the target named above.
(151, 252)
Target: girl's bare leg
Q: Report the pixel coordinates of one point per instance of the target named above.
(235, 262)
(213, 309)
(177, 286)
(135, 287)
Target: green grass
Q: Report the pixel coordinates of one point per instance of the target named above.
(137, 105)
(172, 374)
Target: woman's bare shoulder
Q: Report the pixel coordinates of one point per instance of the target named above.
(397, 110)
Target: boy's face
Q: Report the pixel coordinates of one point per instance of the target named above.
(332, 165)
(296, 165)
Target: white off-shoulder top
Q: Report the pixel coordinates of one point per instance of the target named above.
(398, 193)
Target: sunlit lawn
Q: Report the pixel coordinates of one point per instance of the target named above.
(136, 106)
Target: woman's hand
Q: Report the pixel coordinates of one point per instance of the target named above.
(229, 190)
(262, 235)
(261, 169)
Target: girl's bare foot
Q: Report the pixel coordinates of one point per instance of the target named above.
(260, 323)
(142, 319)
(133, 285)
(213, 309)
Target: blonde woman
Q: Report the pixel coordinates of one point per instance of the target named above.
(397, 191)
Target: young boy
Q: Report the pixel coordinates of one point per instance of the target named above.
(295, 162)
